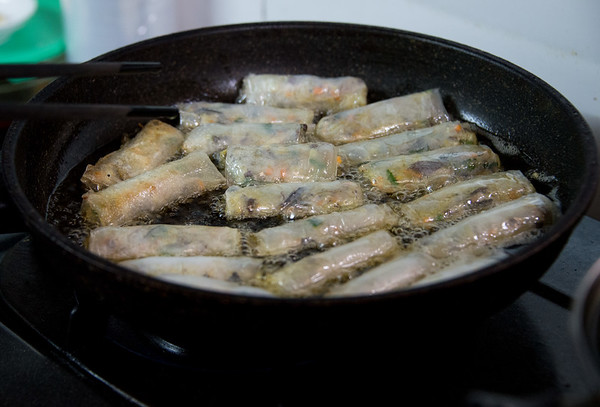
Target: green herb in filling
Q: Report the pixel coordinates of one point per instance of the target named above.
(391, 177)
(315, 221)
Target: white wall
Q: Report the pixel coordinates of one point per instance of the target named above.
(557, 40)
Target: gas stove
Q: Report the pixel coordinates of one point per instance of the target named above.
(56, 351)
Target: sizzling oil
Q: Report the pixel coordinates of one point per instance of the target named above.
(64, 206)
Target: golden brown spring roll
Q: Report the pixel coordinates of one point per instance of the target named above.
(514, 222)
(235, 269)
(446, 134)
(292, 200)
(149, 192)
(419, 173)
(214, 137)
(276, 163)
(399, 272)
(381, 118)
(322, 230)
(311, 274)
(152, 146)
(213, 284)
(196, 113)
(119, 243)
(465, 198)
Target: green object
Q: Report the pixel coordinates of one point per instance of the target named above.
(391, 177)
(40, 39)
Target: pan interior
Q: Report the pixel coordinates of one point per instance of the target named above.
(513, 110)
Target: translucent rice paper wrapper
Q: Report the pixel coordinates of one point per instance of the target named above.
(385, 117)
(323, 95)
(246, 165)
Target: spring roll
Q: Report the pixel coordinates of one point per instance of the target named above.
(311, 275)
(425, 172)
(292, 163)
(459, 267)
(207, 283)
(152, 146)
(214, 137)
(385, 117)
(400, 272)
(292, 200)
(323, 95)
(465, 198)
(236, 269)
(119, 243)
(323, 230)
(149, 192)
(196, 113)
(515, 222)
(407, 142)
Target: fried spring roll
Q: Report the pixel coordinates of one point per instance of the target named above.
(381, 118)
(235, 269)
(152, 190)
(407, 142)
(310, 275)
(465, 265)
(426, 172)
(322, 230)
(292, 200)
(214, 137)
(196, 113)
(323, 95)
(132, 242)
(465, 198)
(400, 272)
(514, 222)
(152, 146)
(207, 283)
(292, 163)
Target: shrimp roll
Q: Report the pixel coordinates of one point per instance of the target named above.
(323, 95)
(292, 200)
(400, 272)
(322, 230)
(312, 274)
(149, 192)
(212, 284)
(196, 113)
(382, 118)
(515, 222)
(214, 137)
(407, 142)
(152, 146)
(465, 198)
(292, 163)
(131, 242)
(235, 269)
(415, 174)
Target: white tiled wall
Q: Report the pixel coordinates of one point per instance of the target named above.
(557, 40)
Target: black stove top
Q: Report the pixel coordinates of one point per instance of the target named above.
(54, 352)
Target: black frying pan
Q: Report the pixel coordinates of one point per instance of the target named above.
(500, 98)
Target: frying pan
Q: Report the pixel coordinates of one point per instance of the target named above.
(508, 105)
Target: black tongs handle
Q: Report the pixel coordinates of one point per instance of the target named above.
(62, 111)
(85, 69)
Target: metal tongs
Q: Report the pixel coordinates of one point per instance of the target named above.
(12, 111)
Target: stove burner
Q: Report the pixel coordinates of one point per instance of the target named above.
(522, 352)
